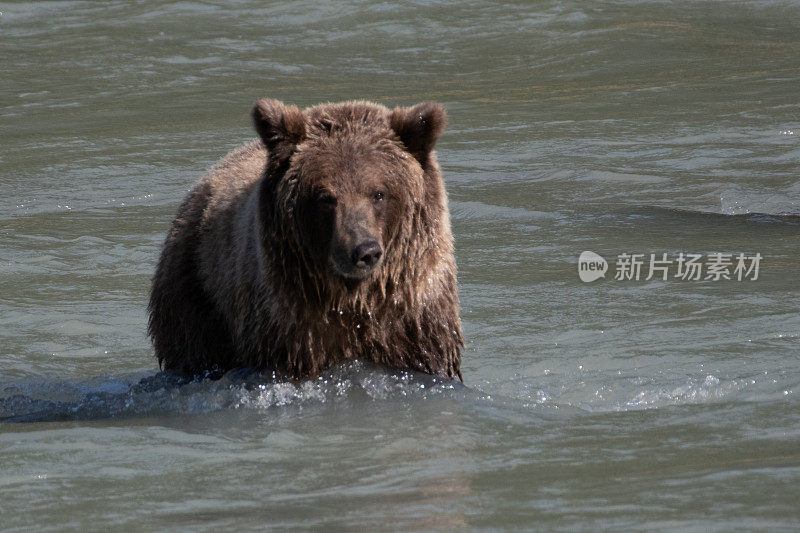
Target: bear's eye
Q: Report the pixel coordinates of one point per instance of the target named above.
(377, 196)
(326, 200)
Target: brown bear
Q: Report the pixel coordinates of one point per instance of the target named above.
(326, 240)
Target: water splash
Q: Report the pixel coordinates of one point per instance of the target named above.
(164, 394)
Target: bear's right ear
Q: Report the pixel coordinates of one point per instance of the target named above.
(281, 127)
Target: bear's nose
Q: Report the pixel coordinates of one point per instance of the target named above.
(367, 254)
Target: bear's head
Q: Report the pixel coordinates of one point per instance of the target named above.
(348, 182)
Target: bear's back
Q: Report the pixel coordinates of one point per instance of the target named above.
(226, 225)
(229, 180)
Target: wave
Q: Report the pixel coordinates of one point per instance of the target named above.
(765, 217)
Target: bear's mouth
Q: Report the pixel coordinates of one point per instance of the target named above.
(351, 284)
(352, 276)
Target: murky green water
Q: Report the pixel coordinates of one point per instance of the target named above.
(625, 127)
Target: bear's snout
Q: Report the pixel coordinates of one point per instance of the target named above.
(356, 249)
(355, 261)
(366, 255)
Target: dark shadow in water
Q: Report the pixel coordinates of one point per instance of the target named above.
(32, 402)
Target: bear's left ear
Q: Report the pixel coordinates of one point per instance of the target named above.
(281, 127)
(419, 127)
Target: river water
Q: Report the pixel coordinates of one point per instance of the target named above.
(625, 127)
